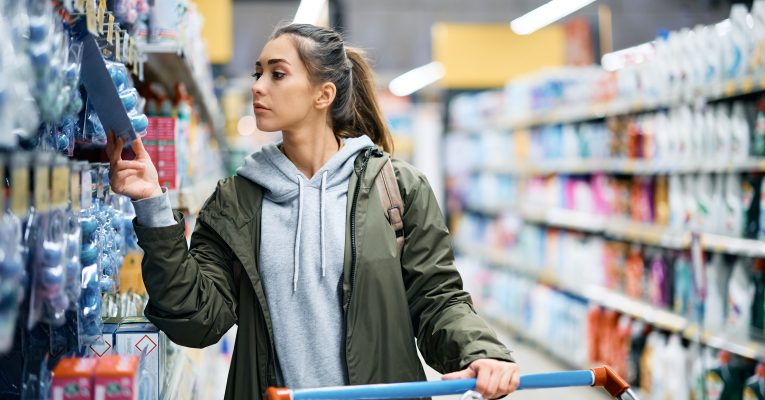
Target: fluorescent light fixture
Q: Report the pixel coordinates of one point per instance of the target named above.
(546, 15)
(309, 12)
(632, 55)
(416, 79)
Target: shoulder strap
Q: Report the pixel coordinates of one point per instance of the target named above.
(393, 205)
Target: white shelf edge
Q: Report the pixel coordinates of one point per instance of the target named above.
(663, 319)
(633, 167)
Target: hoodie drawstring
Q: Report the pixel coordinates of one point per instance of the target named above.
(296, 273)
(297, 235)
(321, 222)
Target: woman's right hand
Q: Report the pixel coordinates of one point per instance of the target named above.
(135, 178)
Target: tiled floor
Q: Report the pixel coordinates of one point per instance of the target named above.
(532, 360)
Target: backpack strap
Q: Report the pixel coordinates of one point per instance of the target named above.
(393, 205)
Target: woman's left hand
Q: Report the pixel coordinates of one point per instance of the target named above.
(494, 378)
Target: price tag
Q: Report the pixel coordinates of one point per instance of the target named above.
(110, 29)
(90, 17)
(131, 53)
(60, 184)
(101, 15)
(42, 188)
(136, 61)
(117, 47)
(86, 188)
(747, 85)
(125, 46)
(20, 191)
(75, 190)
(730, 89)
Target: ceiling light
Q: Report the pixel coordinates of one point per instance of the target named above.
(309, 12)
(546, 15)
(416, 79)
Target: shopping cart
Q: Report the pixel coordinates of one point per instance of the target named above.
(599, 377)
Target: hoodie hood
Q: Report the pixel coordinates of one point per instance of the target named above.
(281, 179)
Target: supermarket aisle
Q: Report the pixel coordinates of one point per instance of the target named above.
(532, 360)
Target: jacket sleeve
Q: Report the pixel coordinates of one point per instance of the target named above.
(192, 295)
(450, 334)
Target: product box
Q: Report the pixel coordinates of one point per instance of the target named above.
(105, 344)
(73, 379)
(161, 129)
(117, 378)
(138, 338)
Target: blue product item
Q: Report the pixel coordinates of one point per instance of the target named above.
(118, 73)
(129, 99)
(140, 123)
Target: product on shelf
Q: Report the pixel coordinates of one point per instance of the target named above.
(755, 385)
(73, 379)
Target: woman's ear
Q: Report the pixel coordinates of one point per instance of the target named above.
(326, 95)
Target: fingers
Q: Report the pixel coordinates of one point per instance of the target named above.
(515, 381)
(129, 164)
(464, 374)
(138, 149)
(483, 383)
(114, 148)
(504, 382)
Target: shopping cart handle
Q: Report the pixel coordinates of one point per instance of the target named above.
(601, 377)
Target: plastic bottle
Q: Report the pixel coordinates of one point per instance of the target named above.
(704, 193)
(717, 293)
(737, 42)
(675, 363)
(750, 193)
(755, 386)
(722, 135)
(734, 207)
(724, 381)
(757, 59)
(657, 288)
(677, 204)
(683, 290)
(758, 303)
(740, 297)
(634, 270)
(741, 132)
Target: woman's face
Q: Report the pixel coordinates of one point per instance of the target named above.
(282, 94)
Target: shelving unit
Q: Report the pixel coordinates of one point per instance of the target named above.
(731, 88)
(626, 167)
(604, 297)
(166, 64)
(623, 229)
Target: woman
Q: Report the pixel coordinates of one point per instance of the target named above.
(297, 251)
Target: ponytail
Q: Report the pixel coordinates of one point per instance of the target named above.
(366, 116)
(355, 111)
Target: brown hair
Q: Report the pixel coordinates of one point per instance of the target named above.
(355, 111)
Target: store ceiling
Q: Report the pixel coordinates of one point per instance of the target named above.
(396, 33)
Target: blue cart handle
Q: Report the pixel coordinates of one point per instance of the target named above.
(601, 377)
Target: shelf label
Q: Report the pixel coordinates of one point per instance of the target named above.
(110, 29)
(125, 46)
(20, 191)
(101, 15)
(747, 85)
(60, 184)
(42, 188)
(75, 190)
(117, 47)
(730, 89)
(90, 18)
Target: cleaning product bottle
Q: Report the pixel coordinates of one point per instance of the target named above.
(717, 293)
(755, 386)
(734, 214)
(677, 204)
(661, 200)
(740, 132)
(750, 192)
(758, 304)
(704, 194)
(757, 59)
(657, 288)
(634, 270)
(675, 362)
(724, 381)
(722, 135)
(683, 285)
(638, 337)
(740, 297)
(758, 132)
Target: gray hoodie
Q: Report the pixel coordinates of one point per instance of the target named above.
(301, 260)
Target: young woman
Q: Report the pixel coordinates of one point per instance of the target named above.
(296, 250)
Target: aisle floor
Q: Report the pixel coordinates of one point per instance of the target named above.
(531, 360)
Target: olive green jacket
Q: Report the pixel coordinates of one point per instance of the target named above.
(197, 294)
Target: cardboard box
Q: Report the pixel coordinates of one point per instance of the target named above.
(161, 128)
(135, 338)
(117, 378)
(73, 379)
(105, 345)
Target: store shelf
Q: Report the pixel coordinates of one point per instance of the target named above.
(166, 64)
(624, 229)
(569, 114)
(627, 167)
(604, 297)
(192, 198)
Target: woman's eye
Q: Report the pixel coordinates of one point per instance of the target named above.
(279, 75)
(257, 75)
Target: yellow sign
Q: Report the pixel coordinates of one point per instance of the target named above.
(110, 29)
(217, 31)
(60, 193)
(488, 55)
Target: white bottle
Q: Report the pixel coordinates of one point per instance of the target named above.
(691, 204)
(675, 360)
(722, 135)
(717, 293)
(741, 131)
(757, 60)
(737, 42)
(676, 203)
(740, 297)
(717, 207)
(661, 137)
(734, 214)
(710, 136)
(697, 138)
(704, 195)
